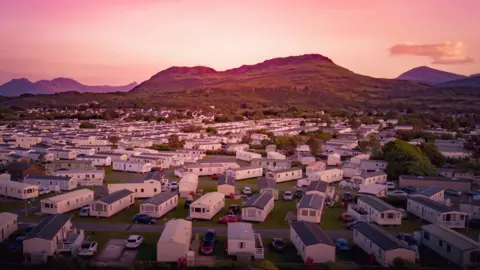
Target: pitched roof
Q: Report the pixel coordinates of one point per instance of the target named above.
(178, 231)
(381, 238)
(240, 231)
(115, 196)
(317, 186)
(259, 200)
(48, 227)
(161, 198)
(313, 201)
(310, 233)
(266, 183)
(48, 177)
(226, 180)
(439, 207)
(451, 237)
(376, 203)
(428, 191)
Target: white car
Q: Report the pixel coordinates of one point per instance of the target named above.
(247, 191)
(133, 241)
(44, 190)
(391, 186)
(173, 185)
(84, 211)
(88, 249)
(288, 196)
(398, 193)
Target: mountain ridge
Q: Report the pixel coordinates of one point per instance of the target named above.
(429, 75)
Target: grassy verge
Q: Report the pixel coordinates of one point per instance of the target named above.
(330, 219)
(276, 219)
(112, 177)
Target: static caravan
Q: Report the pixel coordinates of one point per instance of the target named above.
(243, 173)
(144, 189)
(246, 156)
(69, 165)
(160, 204)
(334, 160)
(112, 203)
(130, 166)
(66, 154)
(464, 185)
(432, 193)
(321, 188)
(86, 151)
(242, 240)
(373, 165)
(329, 176)
(374, 210)
(310, 208)
(66, 202)
(315, 167)
(275, 155)
(237, 147)
(471, 207)
(226, 185)
(349, 170)
(436, 213)
(451, 245)
(84, 177)
(368, 178)
(174, 243)
(311, 242)
(285, 175)
(271, 164)
(384, 246)
(188, 185)
(207, 206)
(203, 169)
(358, 158)
(377, 190)
(258, 207)
(56, 182)
(268, 185)
(18, 190)
(306, 158)
(8, 225)
(97, 160)
(114, 156)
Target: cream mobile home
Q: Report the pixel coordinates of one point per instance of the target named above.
(310, 208)
(188, 185)
(174, 243)
(436, 213)
(203, 169)
(8, 225)
(285, 175)
(56, 182)
(258, 207)
(246, 156)
(329, 176)
(160, 204)
(18, 190)
(66, 202)
(242, 240)
(84, 177)
(243, 173)
(271, 164)
(97, 160)
(143, 189)
(312, 244)
(207, 206)
(130, 166)
(112, 203)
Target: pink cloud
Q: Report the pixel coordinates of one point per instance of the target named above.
(447, 53)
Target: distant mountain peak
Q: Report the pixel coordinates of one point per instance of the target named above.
(429, 75)
(196, 70)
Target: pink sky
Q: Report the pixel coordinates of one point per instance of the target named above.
(117, 42)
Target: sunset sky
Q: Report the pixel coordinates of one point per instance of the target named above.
(120, 41)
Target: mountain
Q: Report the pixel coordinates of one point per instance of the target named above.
(429, 75)
(17, 87)
(471, 81)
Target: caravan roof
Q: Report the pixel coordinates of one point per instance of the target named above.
(176, 230)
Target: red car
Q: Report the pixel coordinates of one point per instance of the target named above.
(346, 217)
(216, 176)
(228, 219)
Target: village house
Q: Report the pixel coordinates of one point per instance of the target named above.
(311, 242)
(112, 203)
(258, 207)
(242, 241)
(271, 164)
(432, 193)
(8, 225)
(310, 208)
(207, 206)
(84, 177)
(315, 167)
(285, 175)
(66, 202)
(436, 213)
(268, 185)
(176, 238)
(463, 185)
(226, 185)
(97, 160)
(141, 189)
(374, 210)
(329, 176)
(321, 188)
(243, 173)
(131, 166)
(246, 156)
(384, 247)
(160, 204)
(187, 186)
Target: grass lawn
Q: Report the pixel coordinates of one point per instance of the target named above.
(286, 256)
(7, 205)
(250, 181)
(292, 184)
(146, 252)
(408, 226)
(276, 219)
(112, 177)
(330, 219)
(124, 216)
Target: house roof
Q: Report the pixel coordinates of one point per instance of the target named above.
(6, 217)
(48, 177)
(433, 178)
(259, 200)
(377, 203)
(317, 186)
(451, 237)
(161, 198)
(178, 231)
(439, 207)
(208, 198)
(313, 201)
(246, 168)
(71, 194)
(226, 180)
(240, 231)
(286, 170)
(48, 227)
(381, 238)
(266, 183)
(310, 233)
(115, 196)
(428, 191)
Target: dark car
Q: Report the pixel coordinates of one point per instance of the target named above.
(207, 248)
(408, 238)
(210, 236)
(145, 219)
(298, 193)
(187, 203)
(277, 243)
(234, 209)
(474, 223)
(16, 246)
(216, 176)
(350, 225)
(347, 197)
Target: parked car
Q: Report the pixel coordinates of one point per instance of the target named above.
(474, 223)
(88, 249)
(342, 244)
(145, 219)
(407, 238)
(173, 185)
(298, 193)
(44, 190)
(187, 203)
(84, 211)
(16, 246)
(216, 176)
(207, 248)
(344, 184)
(234, 209)
(346, 217)
(288, 196)
(452, 192)
(397, 193)
(347, 197)
(133, 241)
(473, 192)
(408, 189)
(228, 219)
(278, 243)
(210, 236)
(350, 225)
(391, 186)
(247, 191)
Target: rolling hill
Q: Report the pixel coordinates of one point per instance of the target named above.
(17, 87)
(429, 75)
(471, 81)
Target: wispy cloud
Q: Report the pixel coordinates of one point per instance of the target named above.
(447, 53)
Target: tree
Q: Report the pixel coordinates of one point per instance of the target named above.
(286, 143)
(191, 129)
(87, 125)
(212, 130)
(174, 142)
(113, 139)
(302, 123)
(436, 158)
(109, 114)
(315, 145)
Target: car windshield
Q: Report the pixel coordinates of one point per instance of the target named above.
(209, 235)
(86, 245)
(288, 193)
(278, 242)
(131, 240)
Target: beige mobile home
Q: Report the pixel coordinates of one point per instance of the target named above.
(207, 206)
(84, 177)
(275, 155)
(367, 178)
(246, 156)
(334, 159)
(174, 243)
(374, 210)
(310, 208)
(160, 204)
(112, 203)
(226, 185)
(285, 175)
(131, 166)
(18, 190)
(321, 188)
(203, 169)
(311, 242)
(433, 193)
(271, 164)
(55, 182)
(329, 176)
(436, 213)
(188, 185)
(97, 160)
(143, 189)
(66, 202)
(242, 240)
(8, 225)
(243, 173)
(258, 207)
